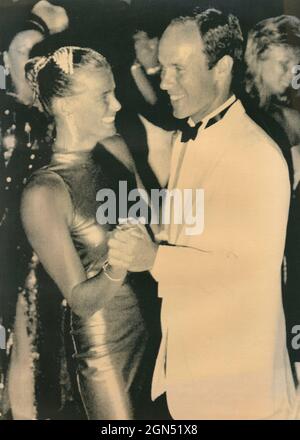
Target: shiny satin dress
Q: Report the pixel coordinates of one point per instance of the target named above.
(110, 345)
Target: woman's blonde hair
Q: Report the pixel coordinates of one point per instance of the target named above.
(52, 76)
(283, 30)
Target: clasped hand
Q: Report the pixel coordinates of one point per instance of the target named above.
(131, 248)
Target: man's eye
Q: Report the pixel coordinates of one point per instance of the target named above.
(104, 97)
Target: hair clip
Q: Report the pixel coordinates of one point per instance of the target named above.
(64, 59)
(39, 64)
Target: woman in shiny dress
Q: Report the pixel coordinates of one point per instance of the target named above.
(58, 211)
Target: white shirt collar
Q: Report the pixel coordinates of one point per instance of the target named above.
(214, 113)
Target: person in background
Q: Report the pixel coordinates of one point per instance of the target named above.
(272, 53)
(153, 104)
(146, 121)
(25, 135)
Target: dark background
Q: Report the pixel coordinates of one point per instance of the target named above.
(87, 13)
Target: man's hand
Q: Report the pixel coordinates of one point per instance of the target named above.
(132, 249)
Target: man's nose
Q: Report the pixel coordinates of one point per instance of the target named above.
(114, 104)
(167, 80)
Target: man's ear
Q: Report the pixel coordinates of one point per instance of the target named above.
(224, 66)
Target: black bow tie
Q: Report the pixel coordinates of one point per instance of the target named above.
(189, 132)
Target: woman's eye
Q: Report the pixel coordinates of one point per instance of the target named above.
(284, 66)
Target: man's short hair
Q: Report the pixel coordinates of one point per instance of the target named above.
(220, 33)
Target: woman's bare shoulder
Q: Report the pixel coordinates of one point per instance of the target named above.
(45, 193)
(292, 118)
(289, 119)
(291, 114)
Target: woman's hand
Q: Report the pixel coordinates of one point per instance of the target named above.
(146, 50)
(131, 248)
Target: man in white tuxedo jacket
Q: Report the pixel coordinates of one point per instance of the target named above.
(223, 352)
